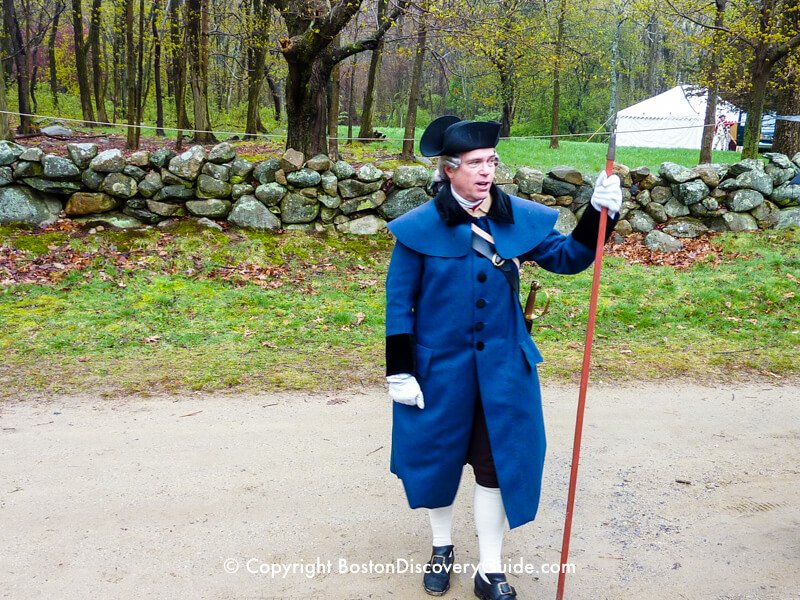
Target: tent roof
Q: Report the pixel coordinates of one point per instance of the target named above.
(681, 102)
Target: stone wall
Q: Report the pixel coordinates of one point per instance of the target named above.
(106, 187)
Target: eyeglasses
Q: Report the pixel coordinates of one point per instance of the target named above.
(476, 164)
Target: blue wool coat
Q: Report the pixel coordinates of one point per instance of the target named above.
(471, 345)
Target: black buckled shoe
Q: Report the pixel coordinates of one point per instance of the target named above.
(497, 588)
(436, 579)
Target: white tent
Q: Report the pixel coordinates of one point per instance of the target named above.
(673, 119)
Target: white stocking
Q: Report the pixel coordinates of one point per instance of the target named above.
(441, 525)
(490, 522)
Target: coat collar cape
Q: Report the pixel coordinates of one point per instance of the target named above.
(440, 227)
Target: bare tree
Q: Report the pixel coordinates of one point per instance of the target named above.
(18, 55)
(414, 94)
(80, 64)
(197, 42)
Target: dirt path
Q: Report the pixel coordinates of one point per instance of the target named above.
(155, 498)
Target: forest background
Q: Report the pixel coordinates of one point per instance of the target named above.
(297, 69)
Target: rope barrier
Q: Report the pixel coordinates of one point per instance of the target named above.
(357, 139)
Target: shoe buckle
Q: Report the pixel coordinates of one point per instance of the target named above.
(505, 589)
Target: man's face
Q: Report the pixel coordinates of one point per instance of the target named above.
(473, 178)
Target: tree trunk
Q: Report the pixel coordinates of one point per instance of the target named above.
(562, 17)
(157, 71)
(51, 53)
(197, 42)
(413, 96)
(18, 53)
(178, 47)
(82, 71)
(256, 59)
(711, 104)
(130, 75)
(752, 128)
(306, 103)
(333, 110)
(275, 93)
(351, 100)
(787, 133)
(367, 130)
(97, 63)
(5, 130)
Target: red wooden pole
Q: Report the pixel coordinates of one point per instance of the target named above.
(587, 356)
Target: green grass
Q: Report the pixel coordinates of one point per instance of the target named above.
(187, 310)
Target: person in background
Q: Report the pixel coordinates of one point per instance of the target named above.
(460, 362)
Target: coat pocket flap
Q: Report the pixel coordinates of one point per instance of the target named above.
(423, 360)
(532, 354)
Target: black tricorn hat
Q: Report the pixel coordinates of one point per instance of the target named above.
(449, 135)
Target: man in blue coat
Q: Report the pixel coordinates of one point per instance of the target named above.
(461, 364)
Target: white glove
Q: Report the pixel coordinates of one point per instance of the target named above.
(607, 194)
(404, 389)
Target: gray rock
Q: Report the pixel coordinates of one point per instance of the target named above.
(368, 225)
(568, 174)
(566, 221)
(643, 198)
(674, 208)
(740, 221)
(53, 187)
(327, 215)
(213, 208)
(709, 207)
(786, 195)
(303, 178)
(20, 204)
(512, 189)
(781, 160)
(649, 182)
(766, 215)
(58, 130)
(108, 161)
(188, 165)
(556, 188)
(658, 241)
(174, 193)
(623, 228)
(744, 200)
(209, 224)
(311, 192)
(218, 172)
(624, 174)
(367, 202)
(119, 185)
(140, 158)
(352, 188)
(264, 172)
(779, 176)
(529, 180)
(729, 185)
(329, 183)
(660, 194)
(116, 220)
(241, 189)
(9, 152)
(685, 227)
(690, 192)
(342, 170)
(292, 160)
(270, 193)
(788, 218)
(160, 158)
(6, 176)
(796, 160)
(32, 155)
(748, 164)
(545, 199)
(640, 221)
(755, 180)
(59, 168)
(242, 168)
(169, 178)
(406, 177)
(657, 211)
(134, 172)
(400, 201)
(222, 153)
(319, 163)
(137, 203)
(88, 203)
(639, 174)
(329, 201)
(92, 179)
(708, 174)
(503, 175)
(163, 209)
(675, 173)
(150, 185)
(296, 208)
(24, 169)
(144, 215)
(584, 195)
(369, 173)
(250, 213)
(208, 187)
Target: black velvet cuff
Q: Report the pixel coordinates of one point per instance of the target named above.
(399, 354)
(586, 230)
